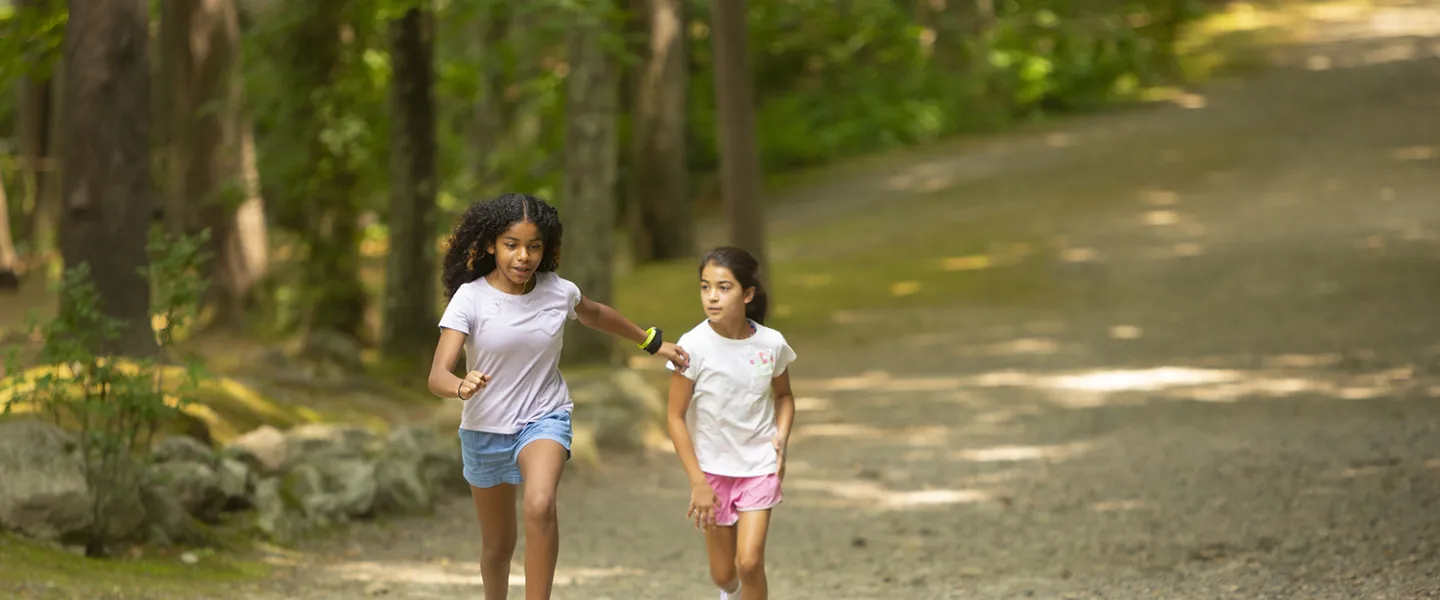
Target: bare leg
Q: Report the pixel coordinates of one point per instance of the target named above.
(496, 508)
(750, 554)
(720, 545)
(541, 463)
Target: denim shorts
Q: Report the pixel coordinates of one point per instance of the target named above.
(493, 458)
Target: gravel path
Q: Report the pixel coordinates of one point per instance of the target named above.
(1233, 391)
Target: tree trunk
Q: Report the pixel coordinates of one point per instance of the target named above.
(36, 127)
(591, 152)
(408, 321)
(242, 240)
(106, 183)
(33, 129)
(735, 112)
(490, 114)
(207, 183)
(659, 179)
(9, 281)
(338, 300)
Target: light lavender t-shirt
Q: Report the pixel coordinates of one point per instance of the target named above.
(517, 341)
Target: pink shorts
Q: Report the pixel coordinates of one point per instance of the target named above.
(734, 495)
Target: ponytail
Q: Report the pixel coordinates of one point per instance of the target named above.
(755, 309)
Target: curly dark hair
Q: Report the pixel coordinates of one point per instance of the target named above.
(465, 257)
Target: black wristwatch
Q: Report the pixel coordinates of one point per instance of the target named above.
(653, 339)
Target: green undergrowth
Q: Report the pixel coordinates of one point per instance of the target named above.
(30, 569)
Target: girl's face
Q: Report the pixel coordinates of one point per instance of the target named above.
(518, 251)
(721, 295)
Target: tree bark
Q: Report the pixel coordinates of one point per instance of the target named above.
(408, 320)
(36, 129)
(106, 184)
(735, 111)
(591, 152)
(9, 280)
(659, 182)
(208, 183)
(323, 43)
(490, 113)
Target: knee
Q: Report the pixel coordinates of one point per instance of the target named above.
(497, 549)
(723, 576)
(540, 509)
(751, 566)
(497, 552)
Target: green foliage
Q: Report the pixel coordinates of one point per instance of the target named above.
(30, 41)
(832, 83)
(115, 405)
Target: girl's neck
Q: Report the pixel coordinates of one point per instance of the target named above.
(733, 329)
(503, 284)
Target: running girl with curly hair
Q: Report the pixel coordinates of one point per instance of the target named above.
(507, 311)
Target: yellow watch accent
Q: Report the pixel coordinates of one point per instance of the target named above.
(649, 337)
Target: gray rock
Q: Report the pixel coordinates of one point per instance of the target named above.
(277, 515)
(45, 494)
(401, 485)
(330, 440)
(263, 449)
(193, 486)
(168, 522)
(237, 483)
(182, 448)
(330, 489)
(440, 464)
(117, 487)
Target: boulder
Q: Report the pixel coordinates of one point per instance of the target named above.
(182, 448)
(262, 449)
(44, 493)
(195, 487)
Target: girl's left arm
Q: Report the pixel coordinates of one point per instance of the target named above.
(784, 414)
(602, 317)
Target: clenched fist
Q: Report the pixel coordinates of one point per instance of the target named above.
(472, 383)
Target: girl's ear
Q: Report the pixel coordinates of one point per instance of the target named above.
(749, 294)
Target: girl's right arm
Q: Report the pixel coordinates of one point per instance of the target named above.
(442, 380)
(702, 497)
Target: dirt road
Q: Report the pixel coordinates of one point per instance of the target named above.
(1235, 392)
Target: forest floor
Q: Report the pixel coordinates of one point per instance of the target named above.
(1190, 351)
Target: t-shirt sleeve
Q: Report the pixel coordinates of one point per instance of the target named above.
(784, 355)
(460, 312)
(572, 298)
(693, 370)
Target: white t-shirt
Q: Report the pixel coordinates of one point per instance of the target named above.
(516, 340)
(732, 411)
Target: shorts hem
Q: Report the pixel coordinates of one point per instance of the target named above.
(563, 444)
(490, 482)
(759, 508)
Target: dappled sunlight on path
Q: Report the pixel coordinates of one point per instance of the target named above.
(1190, 352)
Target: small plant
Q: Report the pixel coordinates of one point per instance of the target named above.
(115, 404)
